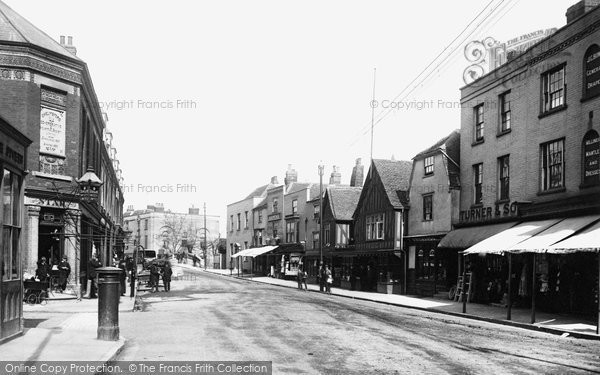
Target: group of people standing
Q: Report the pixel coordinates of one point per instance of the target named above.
(325, 279)
(45, 273)
(156, 272)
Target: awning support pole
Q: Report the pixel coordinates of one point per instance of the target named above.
(533, 277)
(509, 292)
(598, 322)
(464, 285)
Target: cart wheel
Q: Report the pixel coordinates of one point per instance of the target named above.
(452, 292)
(43, 298)
(32, 299)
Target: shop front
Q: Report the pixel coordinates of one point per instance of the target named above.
(13, 154)
(551, 270)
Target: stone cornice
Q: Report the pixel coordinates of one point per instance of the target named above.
(40, 65)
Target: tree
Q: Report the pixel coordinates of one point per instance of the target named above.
(179, 233)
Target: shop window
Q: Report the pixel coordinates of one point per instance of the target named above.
(591, 159)
(479, 123)
(428, 207)
(425, 264)
(552, 175)
(478, 183)
(503, 176)
(554, 87)
(505, 114)
(11, 225)
(429, 165)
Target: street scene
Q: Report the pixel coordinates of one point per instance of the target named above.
(273, 187)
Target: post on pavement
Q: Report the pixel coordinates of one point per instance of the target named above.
(533, 287)
(464, 284)
(108, 303)
(509, 292)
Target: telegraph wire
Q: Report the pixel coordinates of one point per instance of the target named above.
(436, 58)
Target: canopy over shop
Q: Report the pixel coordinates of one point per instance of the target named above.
(553, 236)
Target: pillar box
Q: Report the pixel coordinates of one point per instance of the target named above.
(108, 303)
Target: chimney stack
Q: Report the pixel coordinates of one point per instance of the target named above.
(159, 207)
(357, 174)
(336, 176)
(290, 176)
(68, 45)
(579, 9)
(274, 180)
(194, 211)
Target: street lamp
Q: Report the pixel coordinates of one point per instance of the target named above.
(89, 187)
(321, 169)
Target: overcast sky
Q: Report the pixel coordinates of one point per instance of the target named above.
(264, 84)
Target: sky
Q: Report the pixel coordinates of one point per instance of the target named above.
(208, 100)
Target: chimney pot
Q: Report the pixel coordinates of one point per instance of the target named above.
(70, 40)
(62, 39)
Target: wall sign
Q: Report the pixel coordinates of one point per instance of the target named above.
(591, 158)
(52, 131)
(480, 214)
(591, 74)
(11, 152)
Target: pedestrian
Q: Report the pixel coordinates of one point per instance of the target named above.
(166, 276)
(322, 278)
(304, 277)
(123, 266)
(64, 270)
(329, 279)
(93, 264)
(299, 277)
(154, 275)
(42, 272)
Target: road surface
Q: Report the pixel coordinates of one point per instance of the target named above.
(213, 317)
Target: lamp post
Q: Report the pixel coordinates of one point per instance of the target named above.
(321, 169)
(89, 187)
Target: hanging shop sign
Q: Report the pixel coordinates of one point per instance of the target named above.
(499, 210)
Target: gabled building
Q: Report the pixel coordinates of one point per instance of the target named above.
(380, 222)
(434, 203)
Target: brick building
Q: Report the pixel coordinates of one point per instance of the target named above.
(434, 202)
(47, 94)
(530, 170)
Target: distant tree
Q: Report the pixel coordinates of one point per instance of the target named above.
(179, 233)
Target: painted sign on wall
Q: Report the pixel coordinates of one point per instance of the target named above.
(592, 72)
(591, 158)
(52, 131)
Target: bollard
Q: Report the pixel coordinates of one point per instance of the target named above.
(108, 303)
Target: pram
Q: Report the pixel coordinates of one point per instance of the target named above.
(35, 292)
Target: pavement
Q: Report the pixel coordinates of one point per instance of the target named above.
(64, 329)
(560, 324)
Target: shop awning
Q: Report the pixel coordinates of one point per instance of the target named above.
(588, 240)
(243, 253)
(261, 250)
(501, 242)
(464, 238)
(558, 232)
